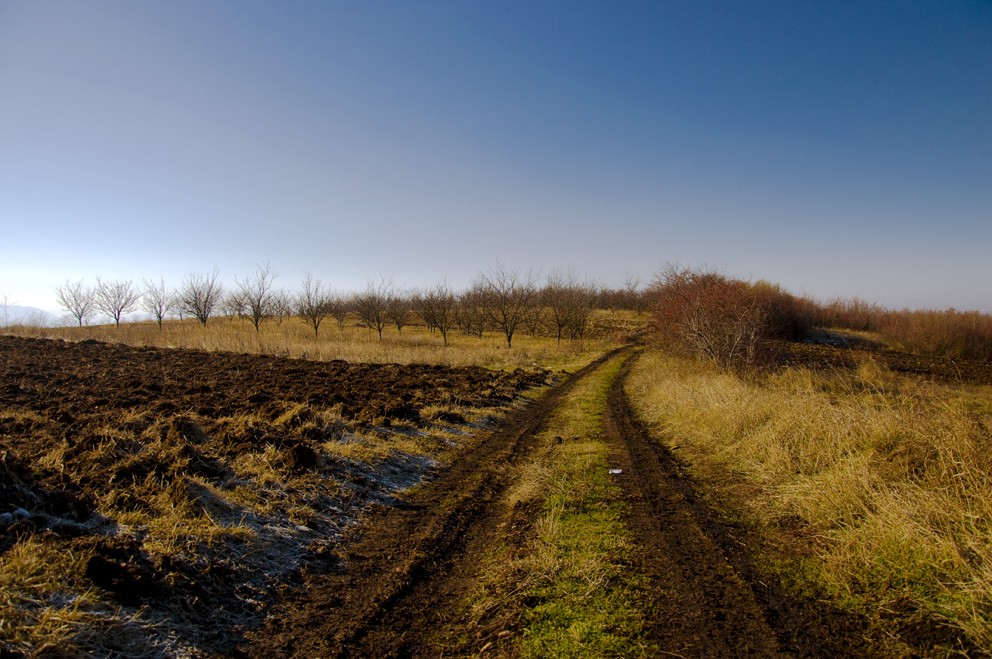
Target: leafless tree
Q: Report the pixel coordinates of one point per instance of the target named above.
(436, 308)
(76, 298)
(157, 300)
(282, 306)
(200, 295)
(6, 303)
(471, 311)
(509, 297)
(257, 294)
(233, 306)
(633, 299)
(116, 298)
(568, 302)
(398, 310)
(371, 305)
(313, 304)
(630, 297)
(339, 306)
(583, 303)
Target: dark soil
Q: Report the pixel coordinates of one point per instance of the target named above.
(92, 431)
(935, 369)
(409, 568)
(401, 586)
(124, 421)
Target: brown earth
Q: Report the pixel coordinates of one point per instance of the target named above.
(401, 586)
(120, 418)
(925, 367)
(409, 568)
(91, 433)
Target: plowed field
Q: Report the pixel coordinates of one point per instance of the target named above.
(177, 489)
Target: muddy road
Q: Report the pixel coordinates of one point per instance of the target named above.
(410, 566)
(408, 571)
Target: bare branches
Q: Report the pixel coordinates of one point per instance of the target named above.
(256, 294)
(116, 298)
(568, 302)
(158, 300)
(508, 297)
(76, 298)
(398, 310)
(436, 307)
(200, 295)
(371, 305)
(313, 304)
(708, 314)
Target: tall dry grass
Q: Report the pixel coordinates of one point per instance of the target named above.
(415, 344)
(887, 481)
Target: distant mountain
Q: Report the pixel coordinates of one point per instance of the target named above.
(16, 314)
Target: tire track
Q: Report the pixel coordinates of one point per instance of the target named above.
(412, 565)
(706, 598)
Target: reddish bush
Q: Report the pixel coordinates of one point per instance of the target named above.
(951, 334)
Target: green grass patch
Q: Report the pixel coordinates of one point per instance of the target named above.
(564, 589)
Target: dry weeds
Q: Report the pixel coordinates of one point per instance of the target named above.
(881, 483)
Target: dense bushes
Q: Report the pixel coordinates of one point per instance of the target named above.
(733, 323)
(728, 321)
(950, 334)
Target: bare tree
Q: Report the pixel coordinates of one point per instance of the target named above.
(436, 308)
(232, 305)
(471, 311)
(371, 305)
(116, 298)
(339, 306)
(583, 302)
(312, 305)
(569, 303)
(200, 295)
(281, 306)
(157, 300)
(7, 303)
(509, 298)
(398, 310)
(419, 305)
(257, 294)
(76, 298)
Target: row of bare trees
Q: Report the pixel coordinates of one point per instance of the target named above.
(198, 297)
(502, 300)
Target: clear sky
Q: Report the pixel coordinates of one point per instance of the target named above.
(836, 148)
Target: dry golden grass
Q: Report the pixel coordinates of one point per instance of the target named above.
(888, 480)
(46, 608)
(293, 338)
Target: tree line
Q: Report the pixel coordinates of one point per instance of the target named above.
(500, 299)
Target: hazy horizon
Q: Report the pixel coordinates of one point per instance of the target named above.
(839, 150)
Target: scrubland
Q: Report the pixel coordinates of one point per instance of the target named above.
(863, 467)
(873, 488)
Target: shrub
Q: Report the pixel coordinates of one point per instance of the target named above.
(727, 321)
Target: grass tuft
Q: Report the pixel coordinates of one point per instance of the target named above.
(885, 480)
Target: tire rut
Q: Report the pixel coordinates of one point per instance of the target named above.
(705, 597)
(411, 565)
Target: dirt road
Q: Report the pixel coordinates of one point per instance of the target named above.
(410, 569)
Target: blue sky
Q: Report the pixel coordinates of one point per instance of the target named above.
(839, 149)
